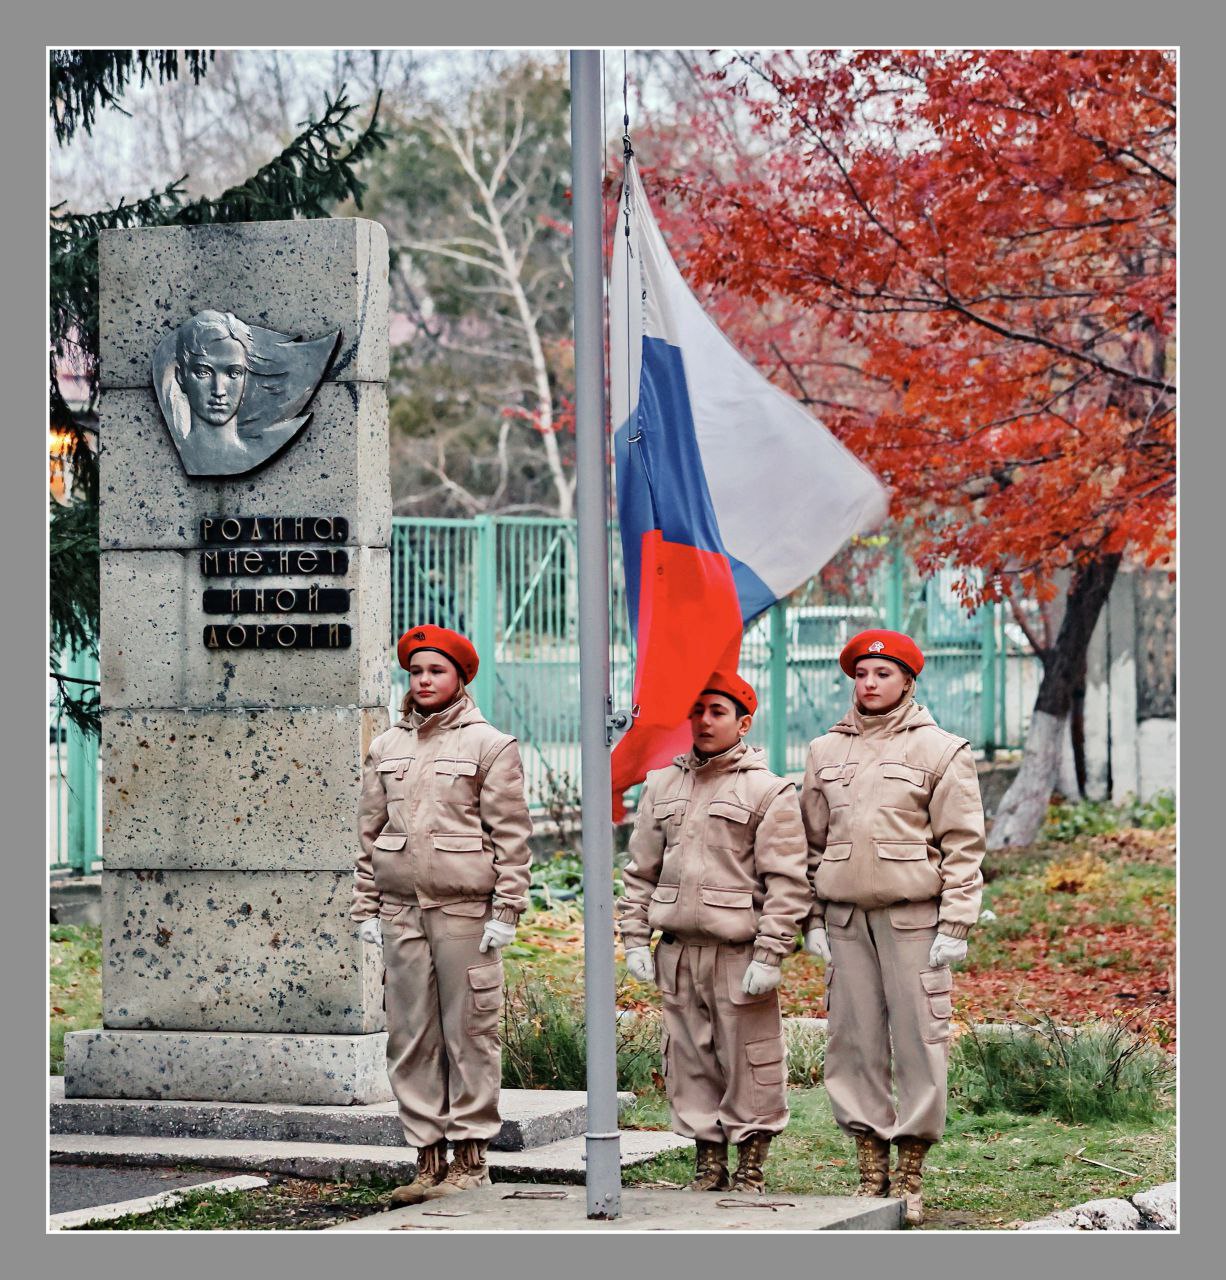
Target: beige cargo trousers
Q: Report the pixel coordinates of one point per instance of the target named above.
(443, 999)
(723, 1051)
(880, 989)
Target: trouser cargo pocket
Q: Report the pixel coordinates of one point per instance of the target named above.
(937, 983)
(766, 1067)
(484, 998)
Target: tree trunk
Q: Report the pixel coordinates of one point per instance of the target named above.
(1048, 755)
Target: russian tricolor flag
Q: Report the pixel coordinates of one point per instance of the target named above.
(730, 494)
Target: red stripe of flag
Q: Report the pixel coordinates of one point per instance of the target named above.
(689, 625)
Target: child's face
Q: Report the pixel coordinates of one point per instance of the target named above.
(433, 680)
(880, 684)
(715, 724)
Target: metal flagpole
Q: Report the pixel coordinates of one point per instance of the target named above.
(591, 492)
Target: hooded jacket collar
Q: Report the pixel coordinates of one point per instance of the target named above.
(461, 712)
(738, 756)
(909, 714)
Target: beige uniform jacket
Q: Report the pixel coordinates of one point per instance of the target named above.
(442, 815)
(717, 855)
(893, 815)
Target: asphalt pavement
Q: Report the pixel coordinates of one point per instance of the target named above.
(82, 1186)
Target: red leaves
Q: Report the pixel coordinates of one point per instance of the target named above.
(977, 249)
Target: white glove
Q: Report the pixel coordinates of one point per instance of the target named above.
(639, 965)
(817, 944)
(761, 978)
(497, 934)
(370, 931)
(946, 951)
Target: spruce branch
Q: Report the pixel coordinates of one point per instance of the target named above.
(82, 80)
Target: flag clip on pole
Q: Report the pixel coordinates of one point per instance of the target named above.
(591, 491)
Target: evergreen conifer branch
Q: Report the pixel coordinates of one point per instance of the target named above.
(82, 80)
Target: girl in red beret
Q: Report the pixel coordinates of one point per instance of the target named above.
(441, 880)
(895, 830)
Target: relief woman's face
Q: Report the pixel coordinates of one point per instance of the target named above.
(213, 380)
(880, 684)
(434, 680)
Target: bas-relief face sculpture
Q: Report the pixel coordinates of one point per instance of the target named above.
(232, 393)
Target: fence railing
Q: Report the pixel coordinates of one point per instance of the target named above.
(74, 839)
(511, 583)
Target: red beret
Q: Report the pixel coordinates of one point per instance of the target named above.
(881, 644)
(449, 643)
(732, 686)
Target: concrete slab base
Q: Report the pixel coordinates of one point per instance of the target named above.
(530, 1118)
(551, 1207)
(227, 1066)
(561, 1162)
(348, 1163)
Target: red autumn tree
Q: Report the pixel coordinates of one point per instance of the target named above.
(980, 250)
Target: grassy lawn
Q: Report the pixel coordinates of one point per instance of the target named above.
(1083, 929)
(990, 1171)
(76, 984)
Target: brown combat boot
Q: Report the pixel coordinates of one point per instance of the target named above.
(431, 1170)
(905, 1184)
(751, 1156)
(468, 1170)
(710, 1167)
(873, 1154)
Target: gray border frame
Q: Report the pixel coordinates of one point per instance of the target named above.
(553, 23)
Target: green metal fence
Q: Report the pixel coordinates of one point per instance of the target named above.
(511, 583)
(74, 842)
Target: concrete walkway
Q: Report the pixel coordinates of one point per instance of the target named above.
(78, 1186)
(542, 1208)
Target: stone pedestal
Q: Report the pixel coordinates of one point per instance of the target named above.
(231, 775)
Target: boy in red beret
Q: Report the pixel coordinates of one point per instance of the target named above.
(717, 863)
(441, 880)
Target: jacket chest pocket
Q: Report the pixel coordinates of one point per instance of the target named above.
(834, 779)
(455, 780)
(835, 783)
(392, 774)
(902, 786)
(392, 842)
(728, 825)
(670, 815)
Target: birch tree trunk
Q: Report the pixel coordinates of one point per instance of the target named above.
(1047, 761)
